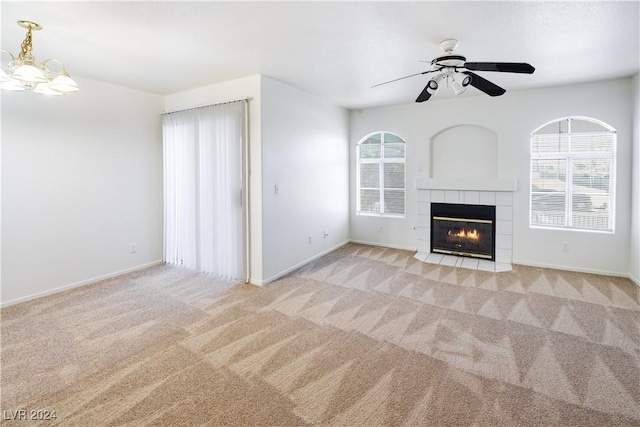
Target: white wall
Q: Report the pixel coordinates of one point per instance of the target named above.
(82, 177)
(634, 253)
(464, 152)
(298, 142)
(81, 181)
(513, 117)
(305, 153)
(229, 91)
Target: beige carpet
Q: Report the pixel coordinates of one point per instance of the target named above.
(363, 336)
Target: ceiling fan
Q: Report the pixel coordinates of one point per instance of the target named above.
(454, 70)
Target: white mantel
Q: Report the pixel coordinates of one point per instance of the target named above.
(496, 192)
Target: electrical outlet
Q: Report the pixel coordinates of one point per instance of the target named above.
(565, 246)
(379, 229)
(310, 239)
(276, 189)
(325, 234)
(132, 248)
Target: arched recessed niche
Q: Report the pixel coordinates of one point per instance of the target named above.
(464, 151)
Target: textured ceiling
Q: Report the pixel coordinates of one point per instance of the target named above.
(336, 50)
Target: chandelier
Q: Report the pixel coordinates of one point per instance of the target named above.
(23, 73)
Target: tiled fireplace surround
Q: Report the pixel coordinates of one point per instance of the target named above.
(490, 192)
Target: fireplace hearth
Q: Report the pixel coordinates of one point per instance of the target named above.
(463, 230)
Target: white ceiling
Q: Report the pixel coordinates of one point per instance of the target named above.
(336, 50)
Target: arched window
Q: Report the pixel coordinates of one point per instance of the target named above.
(380, 176)
(573, 175)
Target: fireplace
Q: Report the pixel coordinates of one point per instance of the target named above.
(463, 230)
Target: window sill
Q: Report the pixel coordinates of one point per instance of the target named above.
(381, 215)
(560, 228)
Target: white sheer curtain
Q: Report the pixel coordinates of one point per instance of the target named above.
(203, 216)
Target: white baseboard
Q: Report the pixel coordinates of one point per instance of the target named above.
(634, 279)
(384, 245)
(78, 284)
(297, 266)
(576, 269)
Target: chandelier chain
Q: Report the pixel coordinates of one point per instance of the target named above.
(26, 46)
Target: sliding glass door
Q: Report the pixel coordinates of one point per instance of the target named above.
(204, 219)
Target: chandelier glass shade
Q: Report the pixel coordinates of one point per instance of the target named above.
(23, 73)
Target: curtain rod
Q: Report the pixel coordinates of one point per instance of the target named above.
(245, 98)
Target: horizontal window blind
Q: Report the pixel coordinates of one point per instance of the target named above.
(381, 175)
(572, 175)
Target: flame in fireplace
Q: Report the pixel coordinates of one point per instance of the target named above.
(472, 234)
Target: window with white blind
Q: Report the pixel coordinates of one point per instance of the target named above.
(380, 177)
(573, 175)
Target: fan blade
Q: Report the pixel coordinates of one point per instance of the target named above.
(424, 95)
(505, 67)
(484, 85)
(405, 77)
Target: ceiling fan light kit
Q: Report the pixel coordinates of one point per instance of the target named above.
(459, 83)
(22, 73)
(456, 72)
